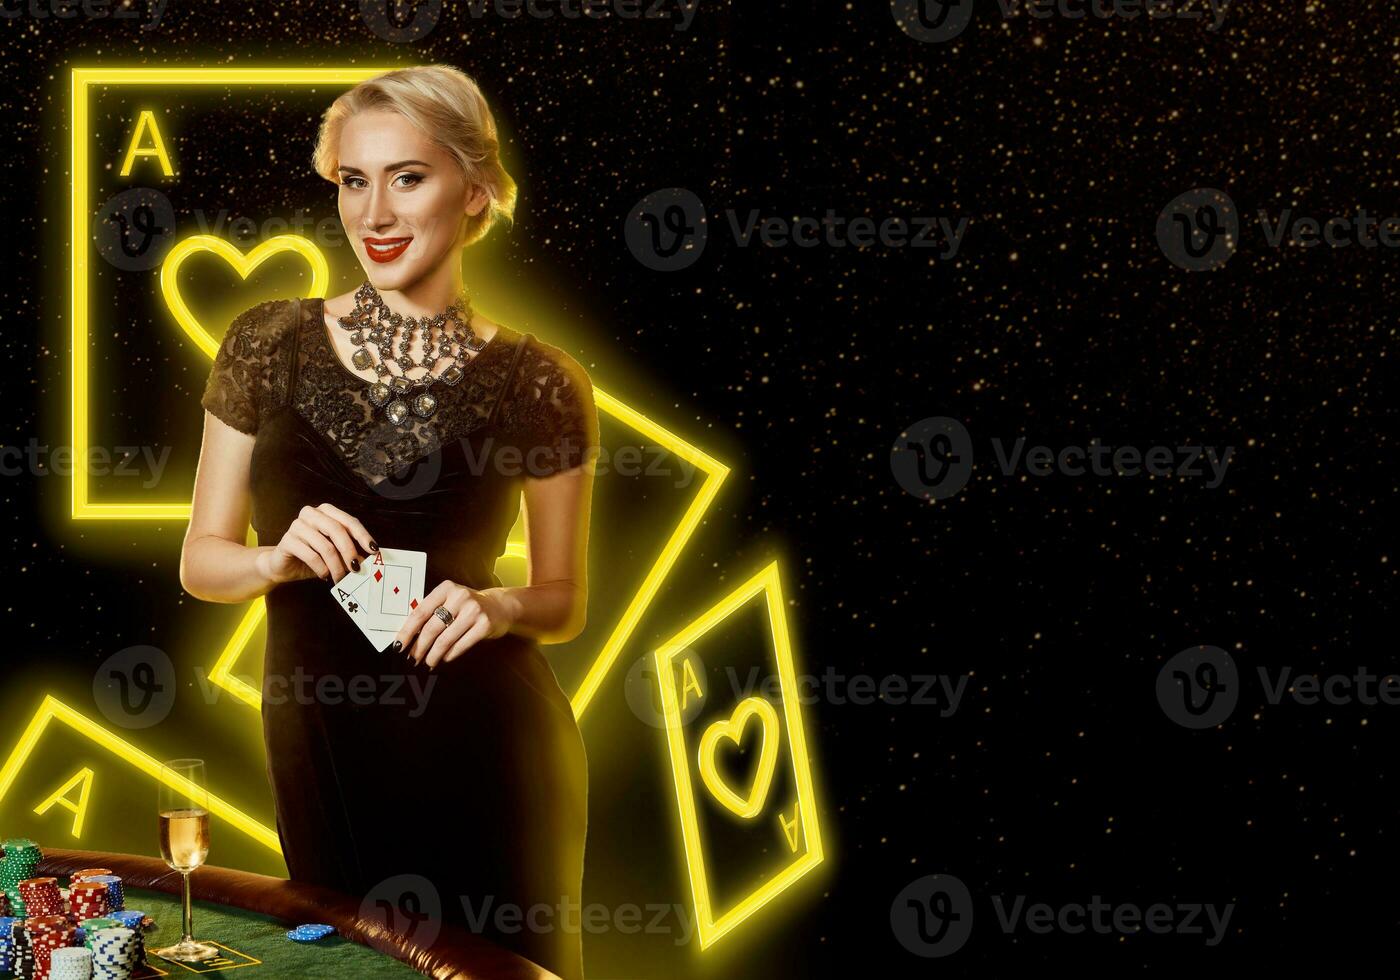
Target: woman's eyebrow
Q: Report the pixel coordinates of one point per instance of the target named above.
(388, 167)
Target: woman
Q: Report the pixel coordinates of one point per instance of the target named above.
(320, 424)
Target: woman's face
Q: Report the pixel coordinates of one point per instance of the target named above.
(402, 199)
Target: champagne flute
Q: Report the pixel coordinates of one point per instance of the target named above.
(184, 843)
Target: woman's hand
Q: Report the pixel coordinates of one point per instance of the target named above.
(476, 615)
(323, 542)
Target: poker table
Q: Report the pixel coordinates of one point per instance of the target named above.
(249, 914)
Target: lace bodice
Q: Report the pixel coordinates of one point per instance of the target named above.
(538, 397)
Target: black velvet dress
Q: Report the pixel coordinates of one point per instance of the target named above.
(480, 786)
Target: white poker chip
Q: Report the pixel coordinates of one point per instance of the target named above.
(71, 963)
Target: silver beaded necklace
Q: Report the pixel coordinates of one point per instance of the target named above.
(372, 322)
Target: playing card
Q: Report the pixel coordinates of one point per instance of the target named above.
(355, 609)
(380, 596)
(379, 639)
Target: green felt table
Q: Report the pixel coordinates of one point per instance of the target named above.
(262, 941)
(249, 914)
(261, 938)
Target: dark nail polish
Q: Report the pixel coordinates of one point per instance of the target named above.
(373, 546)
(398, 645)
(355, 564)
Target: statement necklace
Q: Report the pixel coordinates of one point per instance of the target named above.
(371, 322)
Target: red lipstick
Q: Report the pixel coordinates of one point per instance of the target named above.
(386, 249)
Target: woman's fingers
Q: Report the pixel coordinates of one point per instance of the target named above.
(353, 525)
(304, 553)
(327, 559)
(429, 641)
(448, 636)
(471, 638)
(346, 557)
(419, 618)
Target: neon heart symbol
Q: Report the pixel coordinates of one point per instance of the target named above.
(732, 729)
(242, 264)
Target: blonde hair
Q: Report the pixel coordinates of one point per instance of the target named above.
(446, 104)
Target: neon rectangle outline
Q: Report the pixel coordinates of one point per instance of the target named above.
(52, 709)
(81, 507)
(768, 582)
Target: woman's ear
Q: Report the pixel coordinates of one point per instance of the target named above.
(478, 200)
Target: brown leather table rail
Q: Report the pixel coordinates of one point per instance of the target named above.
(456, 953)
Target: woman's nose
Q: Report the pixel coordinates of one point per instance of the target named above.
(378, 214)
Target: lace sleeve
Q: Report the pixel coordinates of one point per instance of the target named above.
(243, 372)
(549, 410)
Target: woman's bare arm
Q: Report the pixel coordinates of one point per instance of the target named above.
(553, 607)
(215, 563)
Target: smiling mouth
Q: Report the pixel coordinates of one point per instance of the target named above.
(386, 249)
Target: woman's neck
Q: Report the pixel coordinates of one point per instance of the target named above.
(428, 296)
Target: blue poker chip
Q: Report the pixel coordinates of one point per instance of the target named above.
(130, 918)
(310, 933)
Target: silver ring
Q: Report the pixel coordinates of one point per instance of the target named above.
(441, 613)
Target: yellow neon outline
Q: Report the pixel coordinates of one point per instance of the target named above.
(716, 473)
(133, 151)
(243, 264)
(732, 728)
(85, 509)
(82, 508)
(711, 928)
(253, 961)
(53, 709)
(60, 797)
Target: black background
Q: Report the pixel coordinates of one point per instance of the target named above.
(1059, 777)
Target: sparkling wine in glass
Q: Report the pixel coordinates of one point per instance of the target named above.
(184, 843)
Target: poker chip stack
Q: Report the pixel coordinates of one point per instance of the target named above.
(71, 963)
(134, 920)
(85, 874)
(7, 943)
(48, 933)
(115, 895)
(87, 900)
(139, 923)
(88, 926)
(41, 897)
(115, 952)
(21, 860)
(22, 956)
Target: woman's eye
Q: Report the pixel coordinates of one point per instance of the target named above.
(410, 178)
(351, 182)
